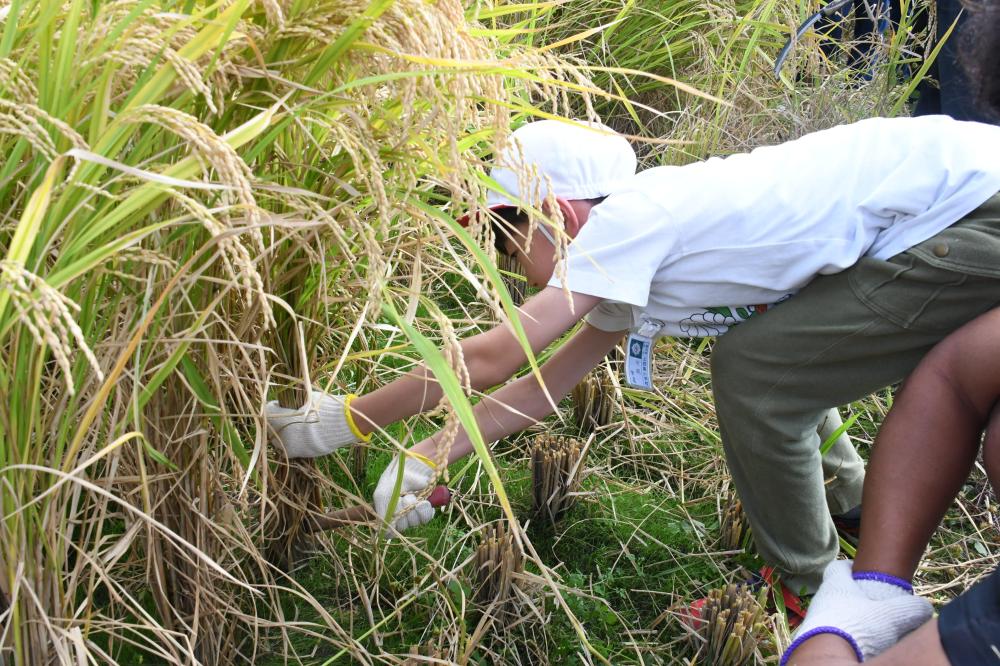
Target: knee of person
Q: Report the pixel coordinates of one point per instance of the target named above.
(943, 355)
(945, 361)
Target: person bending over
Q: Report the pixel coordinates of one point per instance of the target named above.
(819, 295)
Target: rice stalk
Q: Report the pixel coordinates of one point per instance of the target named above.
(192, 600)
(496, 565)
(731, 626)
(594, 401)
(556, 470)
(734, 529)
(359, 463)
(513, 281)
(426, 654)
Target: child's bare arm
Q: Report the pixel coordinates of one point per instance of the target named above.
(928, 444)
(523, 402)
(328, 422)
(512, 408)
(923, 646)
(491, 357)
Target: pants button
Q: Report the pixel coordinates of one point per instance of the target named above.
(940, 250)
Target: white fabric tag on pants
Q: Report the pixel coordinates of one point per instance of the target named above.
(639, 362)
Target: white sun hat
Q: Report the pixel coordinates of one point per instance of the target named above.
(581, 159)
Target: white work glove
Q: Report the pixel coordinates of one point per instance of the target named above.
(416, 477)
(317, 428)
(869, 614)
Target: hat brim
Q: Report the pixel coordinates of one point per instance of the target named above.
(467, 218)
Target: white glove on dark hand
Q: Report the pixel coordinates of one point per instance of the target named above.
(871, 614)
(416, 477)
(317, 428)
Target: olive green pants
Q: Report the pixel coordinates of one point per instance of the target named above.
(779, 377)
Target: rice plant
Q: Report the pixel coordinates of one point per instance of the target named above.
(593, 401)
(512, 278)
(734, 530)
(202, 202)
(497, 563)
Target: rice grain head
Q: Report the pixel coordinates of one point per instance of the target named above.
(230, 169)
(49, 316)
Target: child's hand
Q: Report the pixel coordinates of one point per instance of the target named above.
(317, 428)
(871, 621)
(416, 477)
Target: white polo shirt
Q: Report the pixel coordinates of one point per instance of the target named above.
(705, 246)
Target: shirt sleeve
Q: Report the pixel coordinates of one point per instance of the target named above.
(610, 316)
(618, 251)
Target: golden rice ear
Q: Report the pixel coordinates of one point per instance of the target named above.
(731, 627)
(238, 249)
(49, 318)
(556, 469)
(497, 563)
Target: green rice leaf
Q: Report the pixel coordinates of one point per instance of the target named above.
(825, 447)
(452, 389)
(27, 228)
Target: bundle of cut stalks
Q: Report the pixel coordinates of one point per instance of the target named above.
(733, 529)
(731, 627)
(556, 466)
(497, 563)
(594, 401)
(510, 269)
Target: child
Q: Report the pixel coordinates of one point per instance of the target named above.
(868, 276)
(924, 452)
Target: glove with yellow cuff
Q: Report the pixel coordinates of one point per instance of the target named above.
(418, 473)
(321, 426)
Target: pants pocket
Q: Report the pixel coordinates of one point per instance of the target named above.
(916, 295)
